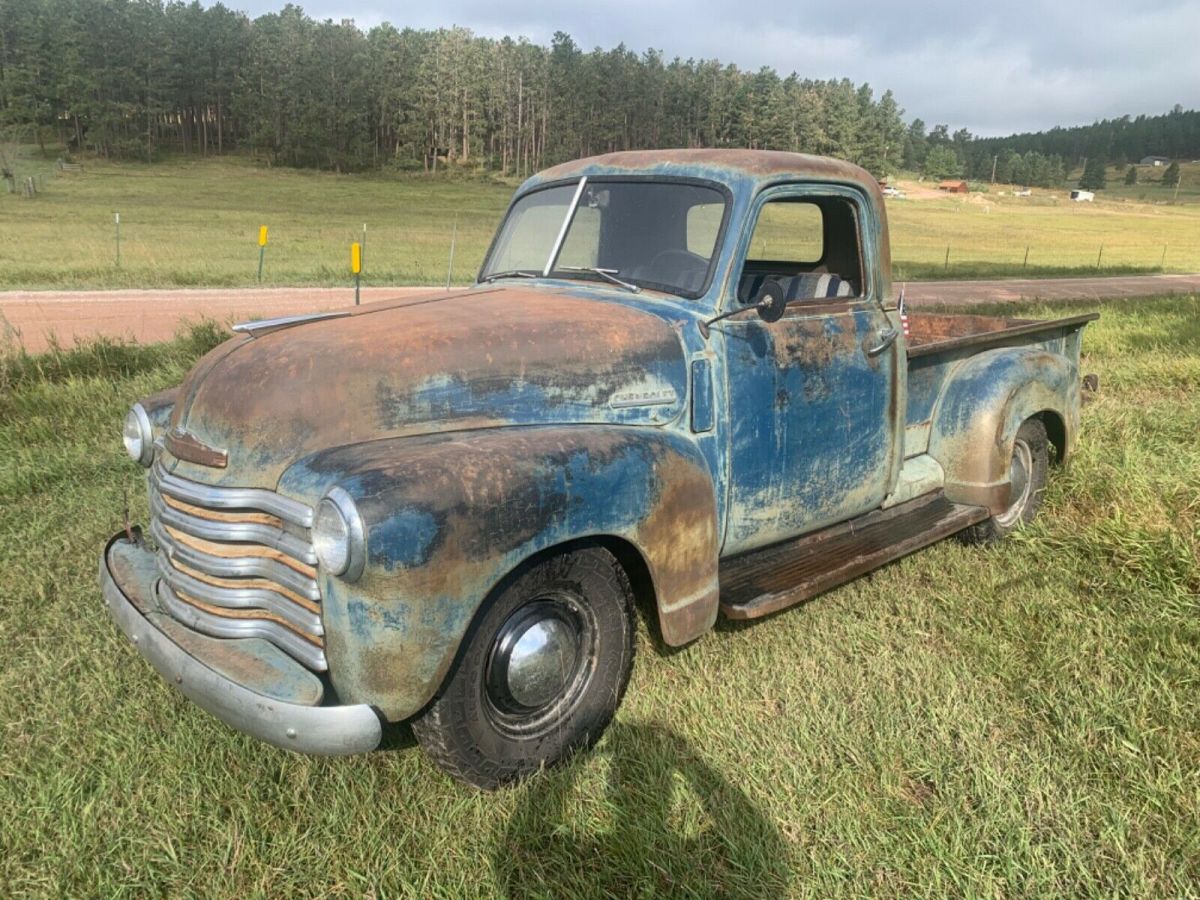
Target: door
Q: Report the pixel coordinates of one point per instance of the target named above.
(813, 397)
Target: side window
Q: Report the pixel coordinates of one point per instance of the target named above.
(789, 231)
(810, 245)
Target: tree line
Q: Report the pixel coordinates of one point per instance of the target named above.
(138, 78)
(1044, 158)
(1120, 142)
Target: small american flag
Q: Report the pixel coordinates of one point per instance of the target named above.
(903, 312)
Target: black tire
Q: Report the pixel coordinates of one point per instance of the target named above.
(485, 731)
(1031, 451)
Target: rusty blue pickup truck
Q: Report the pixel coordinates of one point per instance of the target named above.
(680, 384)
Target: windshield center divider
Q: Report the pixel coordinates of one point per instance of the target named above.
(562, 232)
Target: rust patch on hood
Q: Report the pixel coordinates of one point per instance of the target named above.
(483, 358)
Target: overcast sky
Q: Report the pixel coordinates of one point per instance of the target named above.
(995, 69)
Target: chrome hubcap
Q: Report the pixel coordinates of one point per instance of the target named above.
(538, 660)
(1019, 472)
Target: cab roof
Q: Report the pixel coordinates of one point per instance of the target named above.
(734, 167)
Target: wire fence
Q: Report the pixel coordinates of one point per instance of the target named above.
(66, 237)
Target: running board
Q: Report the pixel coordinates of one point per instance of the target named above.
(765, 581)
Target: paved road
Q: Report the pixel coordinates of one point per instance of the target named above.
(155, 315)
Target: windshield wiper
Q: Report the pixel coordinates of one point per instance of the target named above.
(510, 273)
(606, 274)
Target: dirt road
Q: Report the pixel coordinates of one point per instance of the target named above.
(30, 317)
(1006, 290)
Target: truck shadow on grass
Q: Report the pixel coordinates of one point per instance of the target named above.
(641, 815)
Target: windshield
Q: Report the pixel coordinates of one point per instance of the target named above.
(658, 235)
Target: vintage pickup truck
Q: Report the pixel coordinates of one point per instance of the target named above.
(680, 383)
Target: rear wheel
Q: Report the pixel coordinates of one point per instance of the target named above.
(541, 675)
(1027, 477)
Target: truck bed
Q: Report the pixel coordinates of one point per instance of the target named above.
(931, 333)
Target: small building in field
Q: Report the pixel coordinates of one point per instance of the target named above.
(953, 187)
(1154, 160)
(1083, 196)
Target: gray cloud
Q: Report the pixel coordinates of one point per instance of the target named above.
(995, 69)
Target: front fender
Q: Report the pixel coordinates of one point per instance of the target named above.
(158, 408)
(447, 517)
(980, 411)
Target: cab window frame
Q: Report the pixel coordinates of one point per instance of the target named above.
(858, 204)
(718, 245)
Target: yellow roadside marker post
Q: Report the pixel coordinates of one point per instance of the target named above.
(356, 267)
(262, 248)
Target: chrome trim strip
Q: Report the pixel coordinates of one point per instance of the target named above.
(234, 566)
(244, 532)
(253, 328)
(220, 626)
(241, 598)
(232, 498)
(323, 730)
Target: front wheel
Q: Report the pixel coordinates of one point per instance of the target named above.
(1027, 478)
(541, 675)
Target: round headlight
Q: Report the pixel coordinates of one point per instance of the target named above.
(338, 535)
(137, 436)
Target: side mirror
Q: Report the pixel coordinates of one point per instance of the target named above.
(770, 307)
(771, 302)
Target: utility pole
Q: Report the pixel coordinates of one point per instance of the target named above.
(994, 160)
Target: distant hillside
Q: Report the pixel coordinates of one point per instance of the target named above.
(1122, 141)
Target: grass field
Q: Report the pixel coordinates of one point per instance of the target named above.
(1127, 230)
(1015, 721)
(196, 223)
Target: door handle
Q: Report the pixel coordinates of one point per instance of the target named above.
(886, 339)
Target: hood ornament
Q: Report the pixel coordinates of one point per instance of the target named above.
(264, 326)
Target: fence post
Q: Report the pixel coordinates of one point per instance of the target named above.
(453, 241)
(946, 265)
(117, 224)
(356, 268)
(1099, 256)
(1025, 265)
(1163, 262)
(262, 249)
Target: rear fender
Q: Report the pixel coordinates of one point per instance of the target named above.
(977, 418)
(448, 517)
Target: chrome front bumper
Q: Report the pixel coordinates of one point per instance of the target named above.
(246, 683)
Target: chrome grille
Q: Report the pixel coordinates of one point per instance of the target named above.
(237, 562)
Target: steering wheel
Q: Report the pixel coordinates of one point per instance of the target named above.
(674, 265)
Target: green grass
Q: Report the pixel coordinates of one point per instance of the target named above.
(1021, 720)
(188, 223)
(195, 223)
(1150, 188)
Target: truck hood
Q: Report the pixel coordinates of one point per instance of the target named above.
(484, 357)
